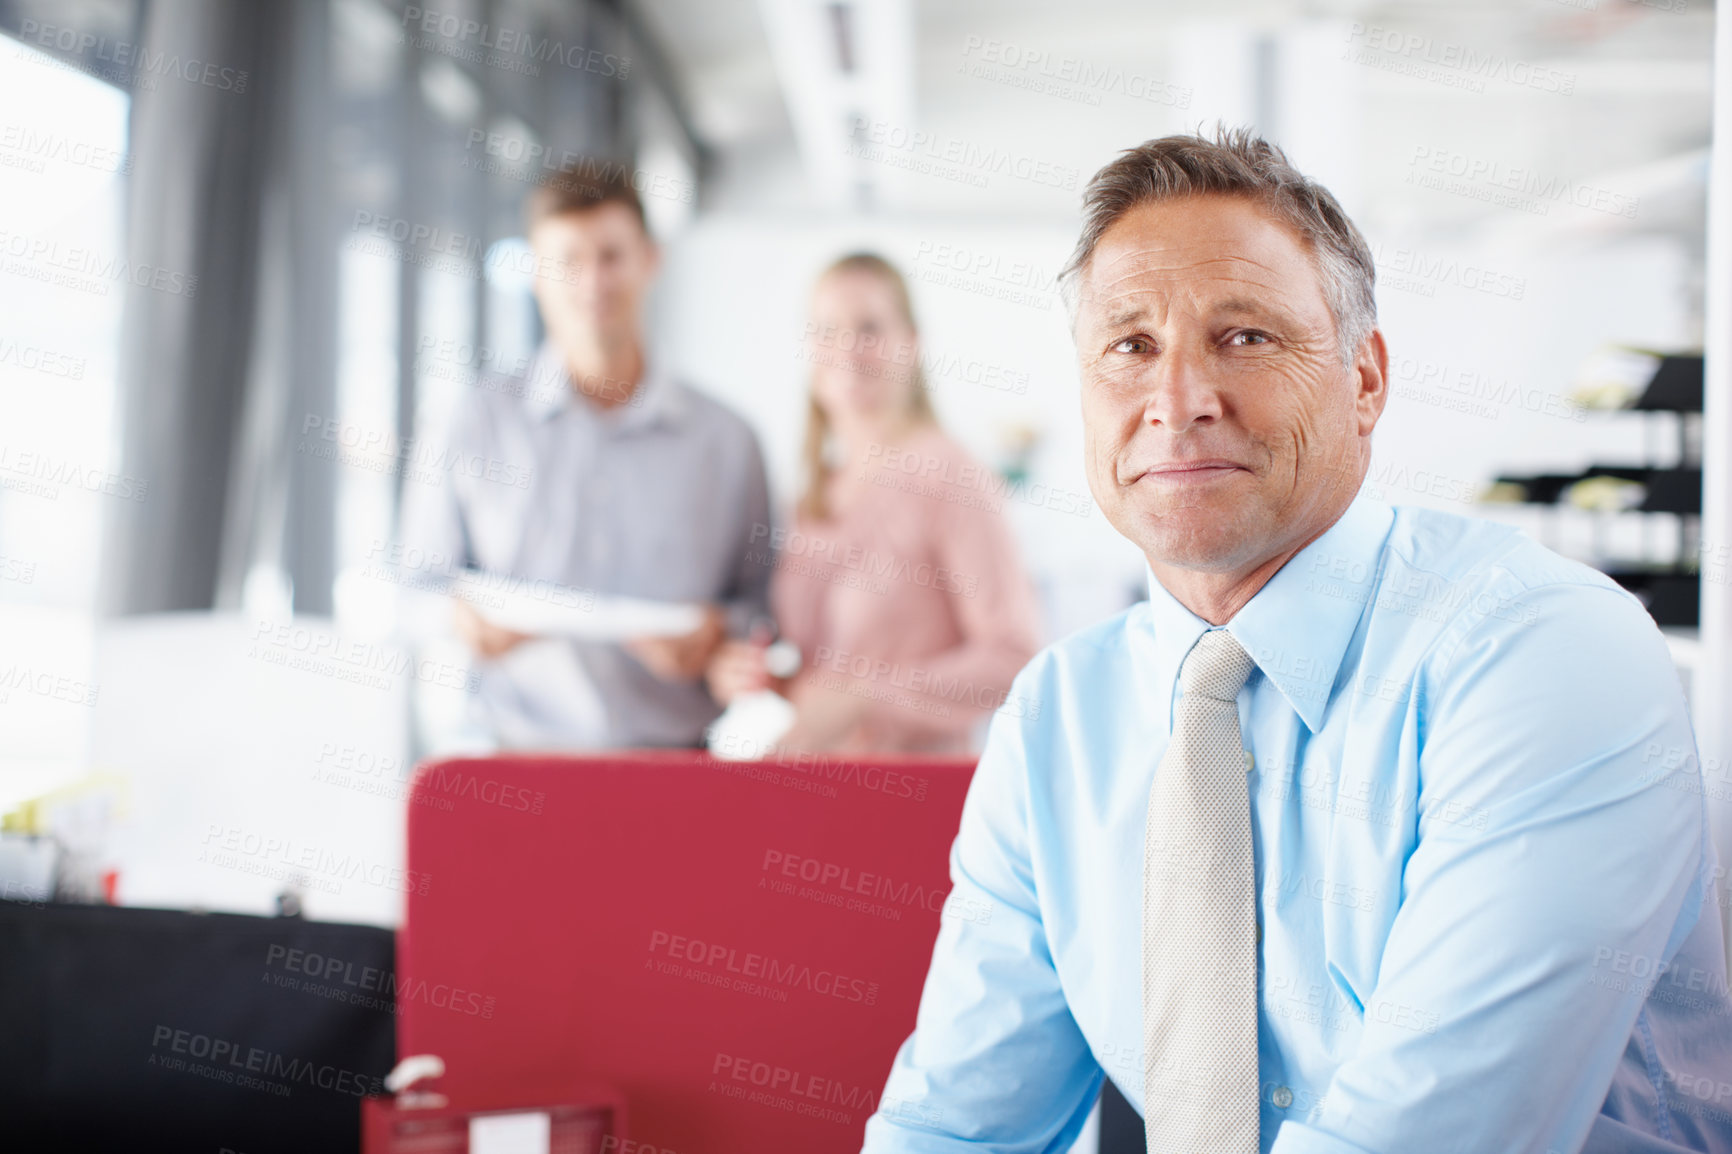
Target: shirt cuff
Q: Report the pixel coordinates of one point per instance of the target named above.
(1295, 1138)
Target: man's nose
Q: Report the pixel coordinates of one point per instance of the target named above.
(1181, 393)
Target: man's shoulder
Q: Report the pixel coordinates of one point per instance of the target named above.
(1447, 578)
(710, 416)
(710, 411)
(493, 399)
(1476, 553)
(1095, 651)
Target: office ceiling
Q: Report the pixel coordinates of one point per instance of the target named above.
(1609, 94)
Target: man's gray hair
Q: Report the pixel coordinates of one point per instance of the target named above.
(1238, 163)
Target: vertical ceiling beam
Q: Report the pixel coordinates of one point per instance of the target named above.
(847, 73)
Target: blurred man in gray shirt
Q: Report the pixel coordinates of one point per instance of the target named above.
(597, 472)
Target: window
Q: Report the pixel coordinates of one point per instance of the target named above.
(63, 166)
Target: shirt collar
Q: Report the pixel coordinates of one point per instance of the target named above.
(658, 399)
(1297, 627)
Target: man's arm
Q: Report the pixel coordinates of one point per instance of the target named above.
(747, 597)
(1552, 838)
(433, 542)
(995, 1061)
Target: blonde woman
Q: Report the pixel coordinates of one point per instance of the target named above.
(898, 578)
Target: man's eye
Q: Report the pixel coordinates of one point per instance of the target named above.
(1249, 338)
(1133, 345)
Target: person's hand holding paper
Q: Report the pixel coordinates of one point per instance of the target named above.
(682, 657)
(673, 640)
(485, 638)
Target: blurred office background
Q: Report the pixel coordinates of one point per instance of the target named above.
(253, 253)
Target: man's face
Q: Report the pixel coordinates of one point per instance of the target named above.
(593, 270)
(1221, 427)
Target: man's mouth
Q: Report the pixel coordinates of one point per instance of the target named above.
(1191, 472)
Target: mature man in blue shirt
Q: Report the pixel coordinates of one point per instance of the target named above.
(1475, 908)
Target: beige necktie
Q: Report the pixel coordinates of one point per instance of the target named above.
(1200, 921)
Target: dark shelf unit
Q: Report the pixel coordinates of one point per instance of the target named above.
(1670, 490)
(1671, 593)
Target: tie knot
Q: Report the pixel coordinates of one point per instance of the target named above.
(1216, 667)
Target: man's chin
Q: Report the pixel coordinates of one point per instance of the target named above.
(1200, 539)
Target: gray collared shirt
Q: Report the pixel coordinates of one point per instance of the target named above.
(657, 498)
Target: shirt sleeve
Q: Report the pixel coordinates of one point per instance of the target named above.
(996, 1062)
(989, 593)
(748, 594)
(432, 543)
(1554, 836)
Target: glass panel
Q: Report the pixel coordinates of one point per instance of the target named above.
(63, 275)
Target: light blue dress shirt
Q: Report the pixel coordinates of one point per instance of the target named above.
(1486, 892)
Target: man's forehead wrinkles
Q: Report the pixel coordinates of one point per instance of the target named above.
(1160, 260)
(1121, 301)
(1121, 308)
(1234, 278)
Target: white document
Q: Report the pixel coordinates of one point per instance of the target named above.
(528, 1133)
(750, 727)
(548, 609)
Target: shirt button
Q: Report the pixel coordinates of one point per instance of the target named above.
(1282, 1097)
(1250, 761)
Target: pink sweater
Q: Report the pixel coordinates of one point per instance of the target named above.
(913, 598)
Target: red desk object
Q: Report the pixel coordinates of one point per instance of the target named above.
(739, 948)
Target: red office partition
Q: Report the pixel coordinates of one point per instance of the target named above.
(737, 947)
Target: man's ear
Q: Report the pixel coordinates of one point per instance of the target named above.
(1371, 381)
